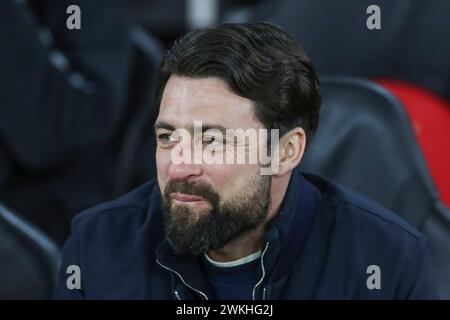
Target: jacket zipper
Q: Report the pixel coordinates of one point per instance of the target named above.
(182, 280)
(263, 274)
(177, 295)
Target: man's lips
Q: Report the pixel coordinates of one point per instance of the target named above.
(182, 197)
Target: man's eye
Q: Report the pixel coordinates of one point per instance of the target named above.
(211, 140)
(166, 138)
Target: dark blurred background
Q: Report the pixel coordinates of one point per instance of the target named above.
(76, 110)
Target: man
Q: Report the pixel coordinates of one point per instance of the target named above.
(219, 225)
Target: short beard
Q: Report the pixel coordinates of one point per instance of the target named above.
(221, 224)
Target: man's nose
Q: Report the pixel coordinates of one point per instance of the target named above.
(184, 170)
(186, 159)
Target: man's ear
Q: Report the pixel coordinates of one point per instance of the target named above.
(290, 150)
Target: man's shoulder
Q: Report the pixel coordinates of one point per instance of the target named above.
(113, 243)
(358, 213)
(361, 235)
(133, 206)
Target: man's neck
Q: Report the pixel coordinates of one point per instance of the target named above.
(241, 247)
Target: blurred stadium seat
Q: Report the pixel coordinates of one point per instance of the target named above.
(29, 259)
(166, 19)
(410, 46)
(136, 141)
(365, 141)
(430, 116)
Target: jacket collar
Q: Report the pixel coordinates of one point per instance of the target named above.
(288, 231)
(186, 269)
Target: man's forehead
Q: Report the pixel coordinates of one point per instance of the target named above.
(210, 87)
(209, 100)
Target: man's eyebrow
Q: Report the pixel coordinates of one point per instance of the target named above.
(207, 126)
(163, 125)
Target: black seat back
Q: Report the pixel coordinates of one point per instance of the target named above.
(365, 141)
(29, 260)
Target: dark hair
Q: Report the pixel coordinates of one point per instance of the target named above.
(259, 61)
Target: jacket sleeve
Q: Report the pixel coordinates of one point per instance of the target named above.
(418, 279)
(62, 90)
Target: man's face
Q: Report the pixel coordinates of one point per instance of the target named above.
(208, 205)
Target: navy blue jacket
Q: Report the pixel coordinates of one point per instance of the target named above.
(325, 243)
